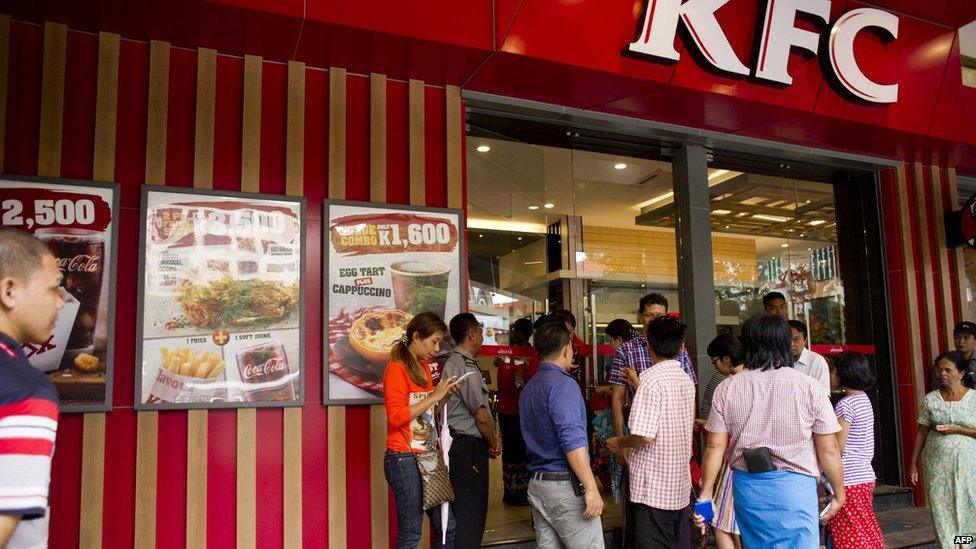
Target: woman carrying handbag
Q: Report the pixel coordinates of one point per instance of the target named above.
(413, 465)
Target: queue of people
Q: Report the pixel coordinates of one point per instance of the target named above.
(773, 437)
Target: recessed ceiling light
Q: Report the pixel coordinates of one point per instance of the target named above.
(548, 205)
(784, 245)
(481, 236)
(726, 226)
(721, 212)
(816, 222)
(802, 235)
(619, 166)
(533, 207)
(483, 148)
(808, 201)
(520, 238)
(776, 218)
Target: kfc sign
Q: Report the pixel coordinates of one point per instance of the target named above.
(779, 36)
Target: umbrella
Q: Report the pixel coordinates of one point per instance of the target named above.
(446, 441)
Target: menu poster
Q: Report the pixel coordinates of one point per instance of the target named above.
(385, 264)
(221, 309)
(77, 221)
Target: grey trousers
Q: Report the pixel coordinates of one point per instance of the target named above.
(557, 516)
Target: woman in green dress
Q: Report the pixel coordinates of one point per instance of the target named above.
(947, 432)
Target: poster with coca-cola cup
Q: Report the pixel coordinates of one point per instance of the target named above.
(220, 308)
(77, 221)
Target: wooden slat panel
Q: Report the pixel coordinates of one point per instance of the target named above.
(911, 293)
(455, 154)
(418, 190)
(292, 428)
(4, 75)
(148, 421)
(377, 139)
(251, 142)
(336, 438)
(295, 140)
(158, 107)
(146, 457)
(945, 282)
(52, 100)
(196, 478)
(379, 509)
(292, 477)
(106, 106)
(197, 423)
(416, 144)
(337, 133)
(203, 154)
(957, 253)
(928, 276)
(337, 476)
(246, 478)
(93, 435)
(92, 481)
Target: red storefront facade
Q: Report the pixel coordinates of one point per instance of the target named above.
(318, 485)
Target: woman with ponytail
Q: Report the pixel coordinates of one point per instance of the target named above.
(410, 396)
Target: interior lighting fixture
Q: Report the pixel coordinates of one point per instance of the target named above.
(816, 222)
(533, 207)
(548, 205)
(784, 245)
(776, 218)
(619, 166)
(721, 212)
(483, 148)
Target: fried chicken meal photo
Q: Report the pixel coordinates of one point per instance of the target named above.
(232, 302)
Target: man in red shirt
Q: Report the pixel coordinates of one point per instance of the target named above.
(30, 297)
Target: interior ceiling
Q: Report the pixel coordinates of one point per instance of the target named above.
(505, 181)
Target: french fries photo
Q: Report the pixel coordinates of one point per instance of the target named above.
(185, 362)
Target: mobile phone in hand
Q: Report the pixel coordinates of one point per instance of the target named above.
(703, 508)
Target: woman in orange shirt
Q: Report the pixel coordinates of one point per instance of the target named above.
(410, 397)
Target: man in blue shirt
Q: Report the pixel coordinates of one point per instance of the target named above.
(553, 420)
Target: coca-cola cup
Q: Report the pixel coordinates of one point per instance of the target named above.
(80, 254)
(265, 373)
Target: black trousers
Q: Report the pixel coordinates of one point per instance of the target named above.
(469, 476)
(660, 529)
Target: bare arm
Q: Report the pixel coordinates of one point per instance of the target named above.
(579, 460)
(486, 426)
(712, 462)
(921, 433)
(8, 523)
(444, 389)
(618, 397)
(630, 441)
(845, 429)
(828, 458)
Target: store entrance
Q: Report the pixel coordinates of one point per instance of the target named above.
(584, 220)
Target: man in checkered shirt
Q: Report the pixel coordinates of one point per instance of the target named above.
(659, 447)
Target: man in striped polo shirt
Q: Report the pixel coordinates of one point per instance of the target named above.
(30, 296)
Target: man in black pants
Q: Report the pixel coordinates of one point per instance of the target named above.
(473, 431)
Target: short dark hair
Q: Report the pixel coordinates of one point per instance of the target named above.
(461, 325)
(652, 298)
(767, 341)
(550, 339)
(961, 363)
(726, 346)
(665, 336)
(565, 315)
(20, 253)
(853, 371)
(543, 320)
(520, 331)
(771, 296)
(800, 327)
(620, 328)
